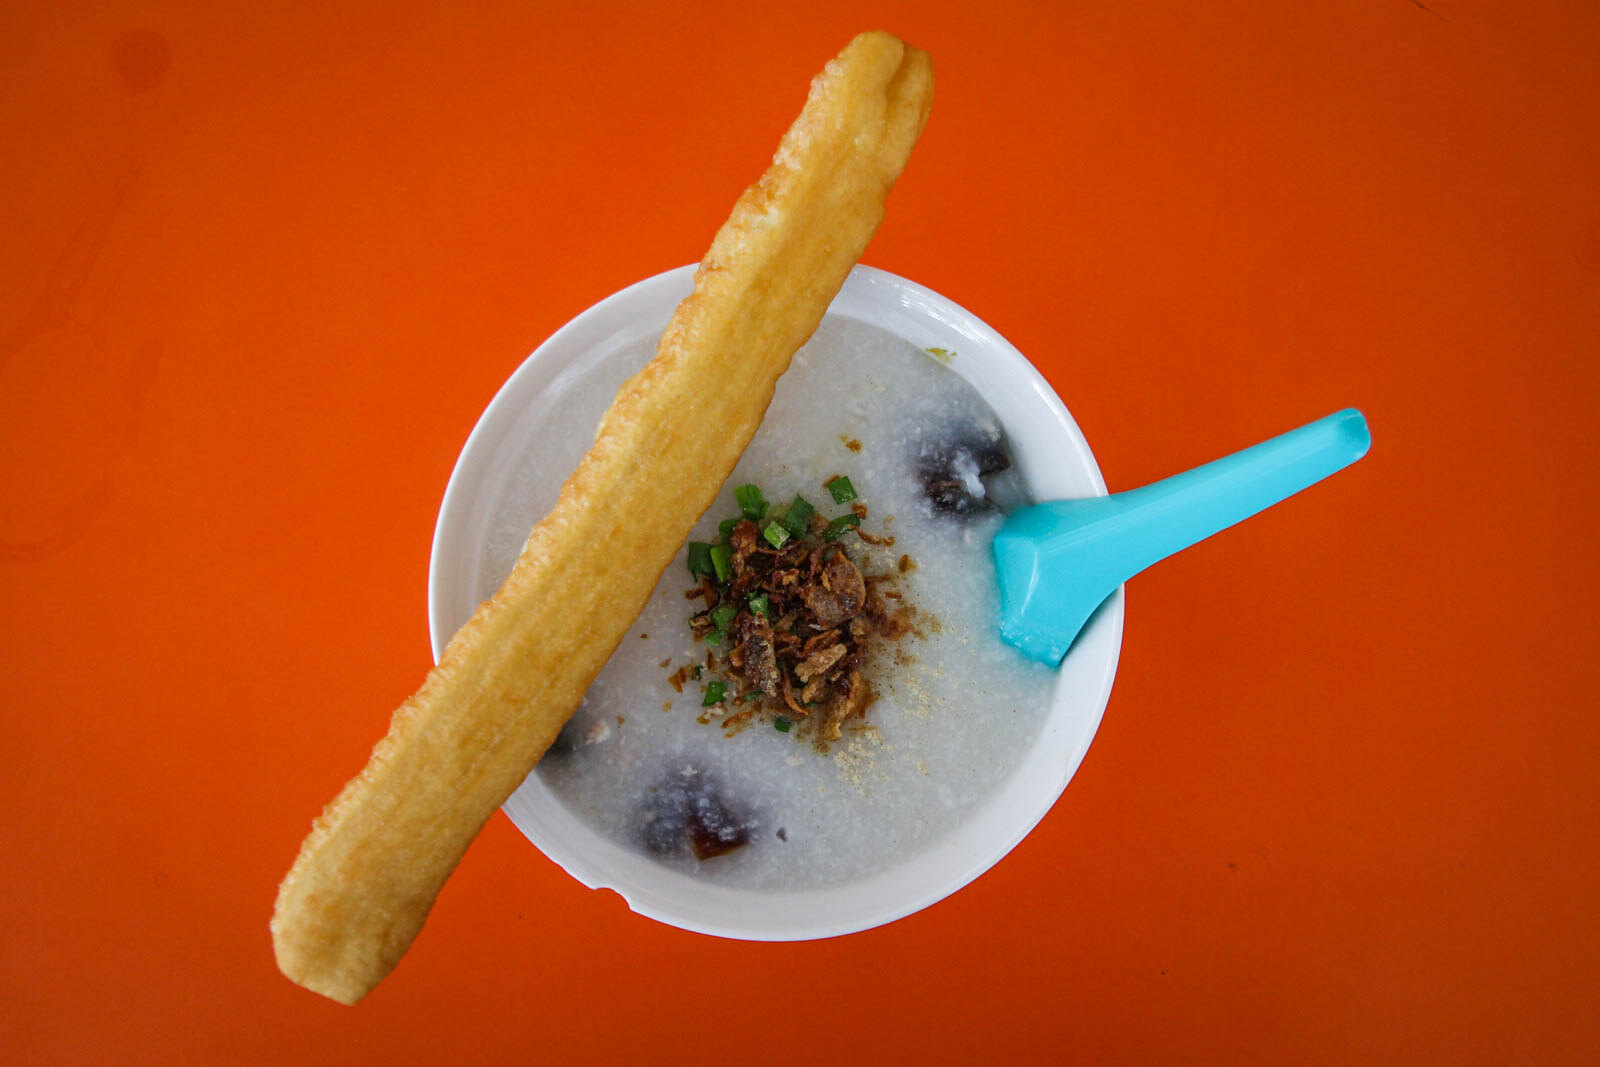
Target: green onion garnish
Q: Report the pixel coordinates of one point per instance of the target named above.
(843, 492)
(775, 533)
(721, 562)
(797, 520)
(781, 724)
(726, 527)
(838, 526)
(717, 637)
(700, 559)
(751, 502)
(722, 615)
(761, 605)
(715, 691)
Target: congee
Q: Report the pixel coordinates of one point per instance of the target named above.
(729, 736)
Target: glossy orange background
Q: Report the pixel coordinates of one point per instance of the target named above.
(264, 267)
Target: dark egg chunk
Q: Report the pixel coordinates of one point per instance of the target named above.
(953, 466)
(566, 742)
(686, 812)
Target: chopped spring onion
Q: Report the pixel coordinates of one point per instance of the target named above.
(776, 534)
(843, 492)
(721, 562)
(838, 526)
(726, 527)
(722, 615)
(751, 501)
(781, 724)
(761, 605)
(797, 520)
(715, 691)
(700, 559)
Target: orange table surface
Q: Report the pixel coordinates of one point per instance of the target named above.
(265, 264)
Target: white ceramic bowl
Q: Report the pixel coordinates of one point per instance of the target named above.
(1051, 453)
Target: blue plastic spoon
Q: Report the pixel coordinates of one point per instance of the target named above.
(1057, 562)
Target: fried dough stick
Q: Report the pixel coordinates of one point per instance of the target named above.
(511, 677)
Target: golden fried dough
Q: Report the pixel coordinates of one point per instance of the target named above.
(378, 855)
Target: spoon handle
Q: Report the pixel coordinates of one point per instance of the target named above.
(1144, 525)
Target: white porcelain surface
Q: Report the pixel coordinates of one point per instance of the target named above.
(1048, 448)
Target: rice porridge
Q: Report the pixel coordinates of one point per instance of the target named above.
(654, 768)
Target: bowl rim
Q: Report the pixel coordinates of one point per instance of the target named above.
(910, 300)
